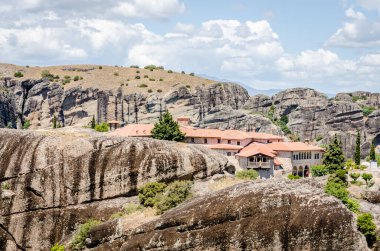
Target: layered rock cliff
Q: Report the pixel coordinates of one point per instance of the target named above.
(55, 181)
(268, 215)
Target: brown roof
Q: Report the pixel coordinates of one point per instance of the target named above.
(224, 147)
(256, 148)
(293, 147)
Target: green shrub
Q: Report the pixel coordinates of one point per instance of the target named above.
(350, 164)
(367, 110)
(134, 66)
(117, 215)
(150, 91)
(340, 176)
(161, 79)
(18, 74)
(100, 67)
(57, 247)
(143, 85)
(137, 77)
(116, 74)
(293, 177)
(357, 98)
(319, 138)
(355, 176)
(26, 124)
(337, 190)
(148, 192)
(159, 90)
(367, 227)
(46, 74)
(76, 78)
(150, 67)
(56, 77)
(131, 208)
(319, 170)
(247, 174)
(152, 79)
(146, 76)
(362, 167)
(367, 177)
(183, 72)
(170, 71)
(353, 205)
(192, 74)
(103, 127)
(27, 66)
(188, 86)
(66, 81)
(82, 234)
(67, 77)
(137, 71)
(5, 186)
(174, 194)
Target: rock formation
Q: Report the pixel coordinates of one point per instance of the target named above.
(59, 180)
(269, 215)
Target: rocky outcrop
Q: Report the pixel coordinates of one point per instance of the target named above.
(59, 181)
(269, 215)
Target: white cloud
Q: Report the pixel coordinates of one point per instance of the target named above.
(358, 31)
(370, 4)
(184, 28)
(149, 8)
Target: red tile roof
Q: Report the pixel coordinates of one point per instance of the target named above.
(256, 148)
(293, 147)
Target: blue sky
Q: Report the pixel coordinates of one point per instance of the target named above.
(329, 45)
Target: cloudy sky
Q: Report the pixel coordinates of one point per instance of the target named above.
(330, 45)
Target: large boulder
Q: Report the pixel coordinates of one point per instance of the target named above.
(59, 179)
(266, 215)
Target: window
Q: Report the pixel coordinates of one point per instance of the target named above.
(229, 141)
(238, 143)
(205, 141)
(218, 141)
(251, 159)
(229, 154)
(316, 156)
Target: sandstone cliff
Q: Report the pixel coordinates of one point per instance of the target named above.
(57, 180)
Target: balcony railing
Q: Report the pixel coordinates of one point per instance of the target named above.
(259, 164)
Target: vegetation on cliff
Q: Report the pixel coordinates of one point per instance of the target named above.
(167, 129)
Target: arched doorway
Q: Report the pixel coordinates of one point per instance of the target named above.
(376, 142)
(306, 171)
(300, 171)
(294, 172)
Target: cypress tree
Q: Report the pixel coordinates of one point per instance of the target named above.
(357, 149)
(93, 122)
(54, 122)
(333, 158)
(167, 129)
(372, 154)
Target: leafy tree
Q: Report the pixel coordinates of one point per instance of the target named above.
(319, 170)
(337, 190)
(93, 122)
(372, 153)
(167, 129)
(293, 177)
(18, 74)
(367, 110)
(350, 164)
(247, 174)
(82, 234)
(26, 124)
(148, 192)
(333, 158)
(367, 177)
(367, 227)
(355, 176)
(54, 122)
(357, 149)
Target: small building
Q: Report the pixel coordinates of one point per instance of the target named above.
(113, 125)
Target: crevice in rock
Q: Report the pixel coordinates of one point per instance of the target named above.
(12, 237)
(34, 191)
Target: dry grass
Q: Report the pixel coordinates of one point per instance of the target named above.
(224, 183)
(139, 217)
(110, 77)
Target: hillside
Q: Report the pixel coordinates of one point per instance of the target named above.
(299, 113)
(106, 77)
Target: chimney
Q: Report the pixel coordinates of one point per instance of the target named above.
(183, 121)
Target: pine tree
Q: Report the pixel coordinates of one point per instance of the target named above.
(357, 149)
(372, 153)
(333, 158)
(54, 122)
(93, 122)
(167, 129)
